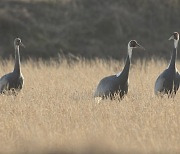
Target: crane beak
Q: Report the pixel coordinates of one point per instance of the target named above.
(140, 46)
(171, 38)
(21, 44)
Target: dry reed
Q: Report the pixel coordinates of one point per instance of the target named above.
(56, 111)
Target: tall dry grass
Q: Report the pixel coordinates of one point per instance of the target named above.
(56, 111)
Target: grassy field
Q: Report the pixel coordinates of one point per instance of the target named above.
(56, 112)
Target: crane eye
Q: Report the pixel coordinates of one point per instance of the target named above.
(133, 43)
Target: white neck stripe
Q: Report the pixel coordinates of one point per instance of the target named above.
(176, 43)
(130, 51)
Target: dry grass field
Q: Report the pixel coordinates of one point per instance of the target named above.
(56, 112)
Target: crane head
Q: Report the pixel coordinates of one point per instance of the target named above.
(134, 44)
(175, 36)
(17, 42)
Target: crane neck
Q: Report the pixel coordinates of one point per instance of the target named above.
(174, 55)
(172, 63)
(176, 43)
(127, 63)
(17, 66)
(130, 51)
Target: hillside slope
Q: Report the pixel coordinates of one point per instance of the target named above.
(88, 28)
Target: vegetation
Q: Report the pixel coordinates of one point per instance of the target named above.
(88, 28)
(56, 112)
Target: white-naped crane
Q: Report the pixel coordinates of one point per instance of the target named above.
(113, 85)
(14, 80)
(168, 81)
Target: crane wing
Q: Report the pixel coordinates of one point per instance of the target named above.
(3, 84)
(105, 86)
(159, 84)
(118, 74)
(176, 81)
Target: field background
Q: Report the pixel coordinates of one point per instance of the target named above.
(70, 46)
(56, 112)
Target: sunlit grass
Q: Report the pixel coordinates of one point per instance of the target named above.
(56, 110)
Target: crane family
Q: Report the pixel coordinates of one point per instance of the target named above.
(111, 86)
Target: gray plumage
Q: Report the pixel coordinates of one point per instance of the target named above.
(169, 80)
(14, 80)
(117, 84)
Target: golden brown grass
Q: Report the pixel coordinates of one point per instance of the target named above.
(56, 111)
